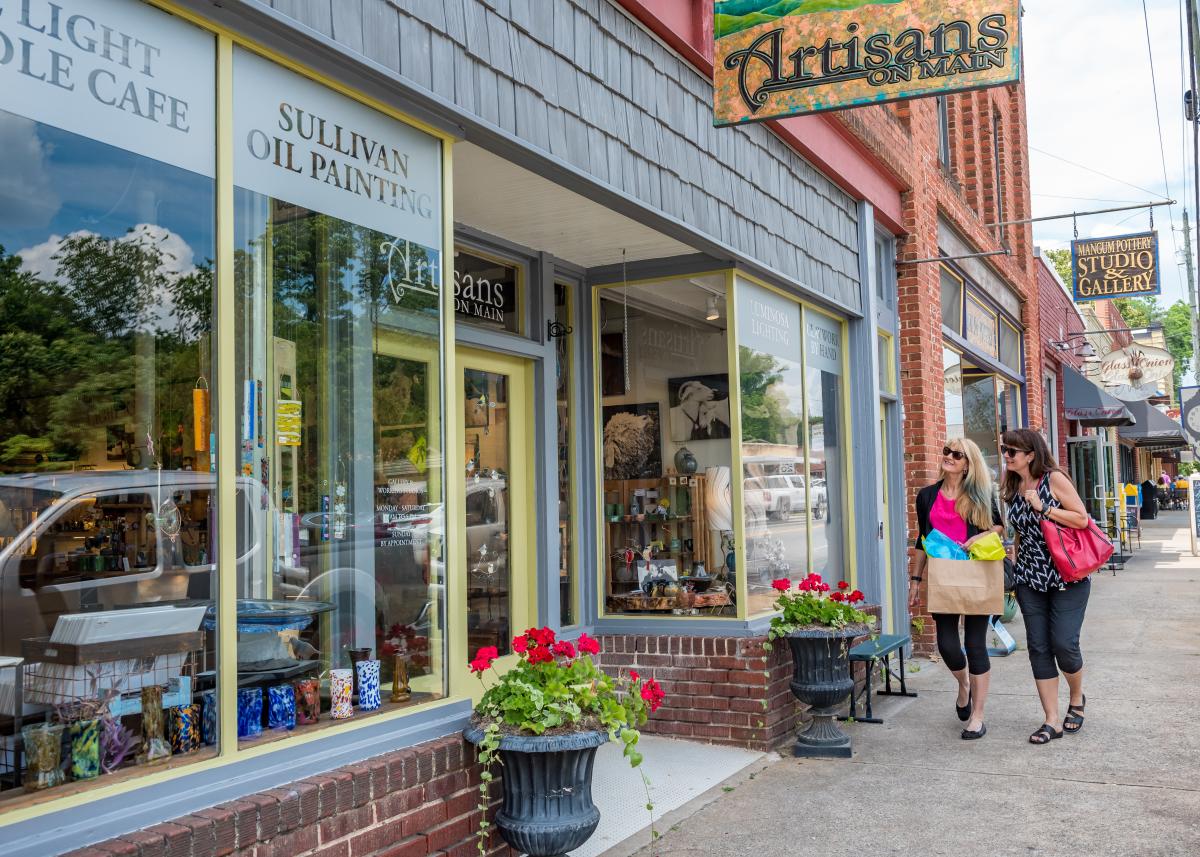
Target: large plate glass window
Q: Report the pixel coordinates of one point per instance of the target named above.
(338, 245)
(952, 300)
(827, 442)
(107, 497)
(666, 433)
(775, 475)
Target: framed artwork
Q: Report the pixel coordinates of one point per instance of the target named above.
(699, 408)
(632, 442)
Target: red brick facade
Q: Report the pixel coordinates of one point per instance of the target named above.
(418, 802)
(1059, 319)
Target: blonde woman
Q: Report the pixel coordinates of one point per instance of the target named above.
(962, 505)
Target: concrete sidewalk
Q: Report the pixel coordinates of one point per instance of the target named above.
(1128, 784)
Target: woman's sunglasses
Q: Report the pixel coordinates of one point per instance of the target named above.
(953, 453)
(1010, 451)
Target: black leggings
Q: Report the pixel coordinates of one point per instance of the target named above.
(1052, 623)
(951, 649)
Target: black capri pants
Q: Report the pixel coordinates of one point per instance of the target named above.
(974, 640)
(1052, 623)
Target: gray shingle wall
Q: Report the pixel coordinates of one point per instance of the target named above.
(579, 80)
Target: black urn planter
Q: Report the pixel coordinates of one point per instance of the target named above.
(821, 679)
(547, 809)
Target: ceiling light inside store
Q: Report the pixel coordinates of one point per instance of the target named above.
(713, 312)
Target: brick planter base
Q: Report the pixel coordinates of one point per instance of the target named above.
(415, 802)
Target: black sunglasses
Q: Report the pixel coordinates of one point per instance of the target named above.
(1010, 451)
(953, 453)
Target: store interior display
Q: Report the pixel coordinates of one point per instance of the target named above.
(665, 434)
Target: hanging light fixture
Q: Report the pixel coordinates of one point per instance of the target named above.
(714, 312)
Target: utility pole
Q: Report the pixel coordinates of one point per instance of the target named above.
(1191, 284)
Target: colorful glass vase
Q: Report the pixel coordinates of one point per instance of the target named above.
(308, 700)
(43, 756)
(85, 749)
(369, 697)
(281, 707)
(341, 686)
(208, 717)
(249, 711)
(185, 728)
(155, 748)
(400, 689)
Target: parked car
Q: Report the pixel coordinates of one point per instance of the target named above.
(784, 494)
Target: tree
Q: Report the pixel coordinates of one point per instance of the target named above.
(1139, 312)
(1061, 260)
(1177, 328)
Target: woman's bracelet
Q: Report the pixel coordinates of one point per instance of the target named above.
(916, 579)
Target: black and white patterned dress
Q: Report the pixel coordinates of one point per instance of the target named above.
(1034, 567)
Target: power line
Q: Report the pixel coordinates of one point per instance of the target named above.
(1085, 198)
(1162, 148)
(1097, 172)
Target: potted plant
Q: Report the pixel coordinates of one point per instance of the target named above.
(819, 622)
(543, 721)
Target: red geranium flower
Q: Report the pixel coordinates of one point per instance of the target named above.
(653, 694)
(633, 675)
(838, 596)
(588, 646)
(563, 649)
(783, 585)
(479, 665)
(488, 653)
(541, 636)
(805, 586)
(843, 585)
(520, 644)
(824, 587)
(540, 655)
(856, 597)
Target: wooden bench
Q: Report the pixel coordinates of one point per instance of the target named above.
(868, 652)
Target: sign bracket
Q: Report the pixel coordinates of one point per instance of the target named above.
(1076, 214)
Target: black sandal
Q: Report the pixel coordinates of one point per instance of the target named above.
(974, 735)
(1073, 722)
(1044, 734)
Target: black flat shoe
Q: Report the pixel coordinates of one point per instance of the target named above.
(964, 711)
(1044, 735)
(974, 735)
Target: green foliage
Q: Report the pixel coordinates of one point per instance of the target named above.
(1061, 260)
(1139, 312)
(766, 415)
(1177, 328)
(813, 605)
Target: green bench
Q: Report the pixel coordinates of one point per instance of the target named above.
(868, 652)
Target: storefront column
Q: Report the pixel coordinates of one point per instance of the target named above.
(870, 573)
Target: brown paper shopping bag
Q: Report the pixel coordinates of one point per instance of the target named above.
(971, 587)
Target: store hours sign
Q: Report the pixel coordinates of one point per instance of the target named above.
(117, 71)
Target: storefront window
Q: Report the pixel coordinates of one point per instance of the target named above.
(953, 383)
(487, 291)
(1010, 345)
(980, 414)
(952, 301)
(337, 243)
(823, 349)
(774, 466)
(887, 378)
(107, 500)
(666, 429)
(563, 369)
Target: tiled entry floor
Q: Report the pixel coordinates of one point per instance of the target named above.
(678, 771)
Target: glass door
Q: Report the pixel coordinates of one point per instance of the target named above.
(497, 555)
(1084, 455)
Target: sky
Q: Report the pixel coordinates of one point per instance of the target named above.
(1091, 101)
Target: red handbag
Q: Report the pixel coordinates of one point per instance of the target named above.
(1076, 553)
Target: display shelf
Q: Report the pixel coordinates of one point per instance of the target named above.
(41, 650)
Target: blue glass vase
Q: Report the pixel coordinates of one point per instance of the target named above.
(281, 707)
(250, 705)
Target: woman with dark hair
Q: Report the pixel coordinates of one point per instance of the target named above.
(1036, 489)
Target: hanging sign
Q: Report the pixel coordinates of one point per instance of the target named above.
(1132, 373)
(1189, 414)
(117, 71)
(981, 327)
(776, 58)
(1122, 267)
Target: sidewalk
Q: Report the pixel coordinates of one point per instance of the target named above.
(1128, 784)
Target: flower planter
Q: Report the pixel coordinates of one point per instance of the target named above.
(822, 681)
(547, 809)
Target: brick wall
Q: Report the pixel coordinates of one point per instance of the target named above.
(415, 802)
(1059, 318)
(719, 690)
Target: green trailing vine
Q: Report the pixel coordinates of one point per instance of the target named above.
(556, 687)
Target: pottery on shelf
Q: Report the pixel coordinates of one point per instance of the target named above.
(400, 689)
(308, 700)
(249, 712)
(155, 748)
(185, 729)
(367, 673)
(208, 717)
(85, 749)
(341, 685)
(281, 707)
(43, 756)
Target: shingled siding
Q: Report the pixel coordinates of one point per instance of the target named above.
(578, 80)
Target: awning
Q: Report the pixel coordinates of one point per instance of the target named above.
(1154, 429)
(1089, 405)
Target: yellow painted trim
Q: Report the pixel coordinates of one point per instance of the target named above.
(522, 546)
(737, 471)
(809, 562)
(298, 67)
(598, 463)
(888, 596)
(225, 333)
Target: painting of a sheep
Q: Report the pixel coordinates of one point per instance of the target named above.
(632, 442)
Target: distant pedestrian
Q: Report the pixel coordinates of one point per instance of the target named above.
(1036, 489)
(961, 505)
